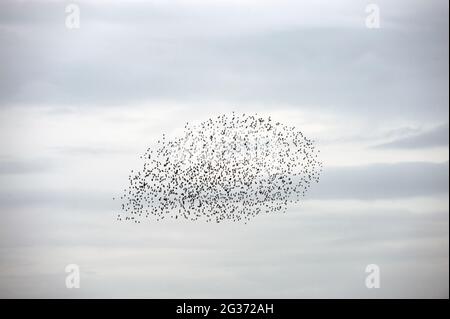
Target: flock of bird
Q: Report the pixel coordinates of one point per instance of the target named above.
(231, 167)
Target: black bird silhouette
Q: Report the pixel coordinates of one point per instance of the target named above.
(227, 168)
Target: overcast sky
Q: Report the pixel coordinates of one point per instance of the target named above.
(79, 106)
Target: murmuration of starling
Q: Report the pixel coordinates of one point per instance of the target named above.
(228, 168)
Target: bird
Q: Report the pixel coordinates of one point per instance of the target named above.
(228, 168)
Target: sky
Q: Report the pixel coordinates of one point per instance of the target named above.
(79, 106)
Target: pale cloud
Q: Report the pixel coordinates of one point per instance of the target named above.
(78, 108)
(436, 137)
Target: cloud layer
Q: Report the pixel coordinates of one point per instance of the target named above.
(78, 108)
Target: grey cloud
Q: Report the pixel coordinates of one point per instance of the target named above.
(73, 199)
(377, 181)
(390, 72)
(88, 150)
(134, 53)
(9, 166)
(432, 138)
(244, 260)
(380, 181)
